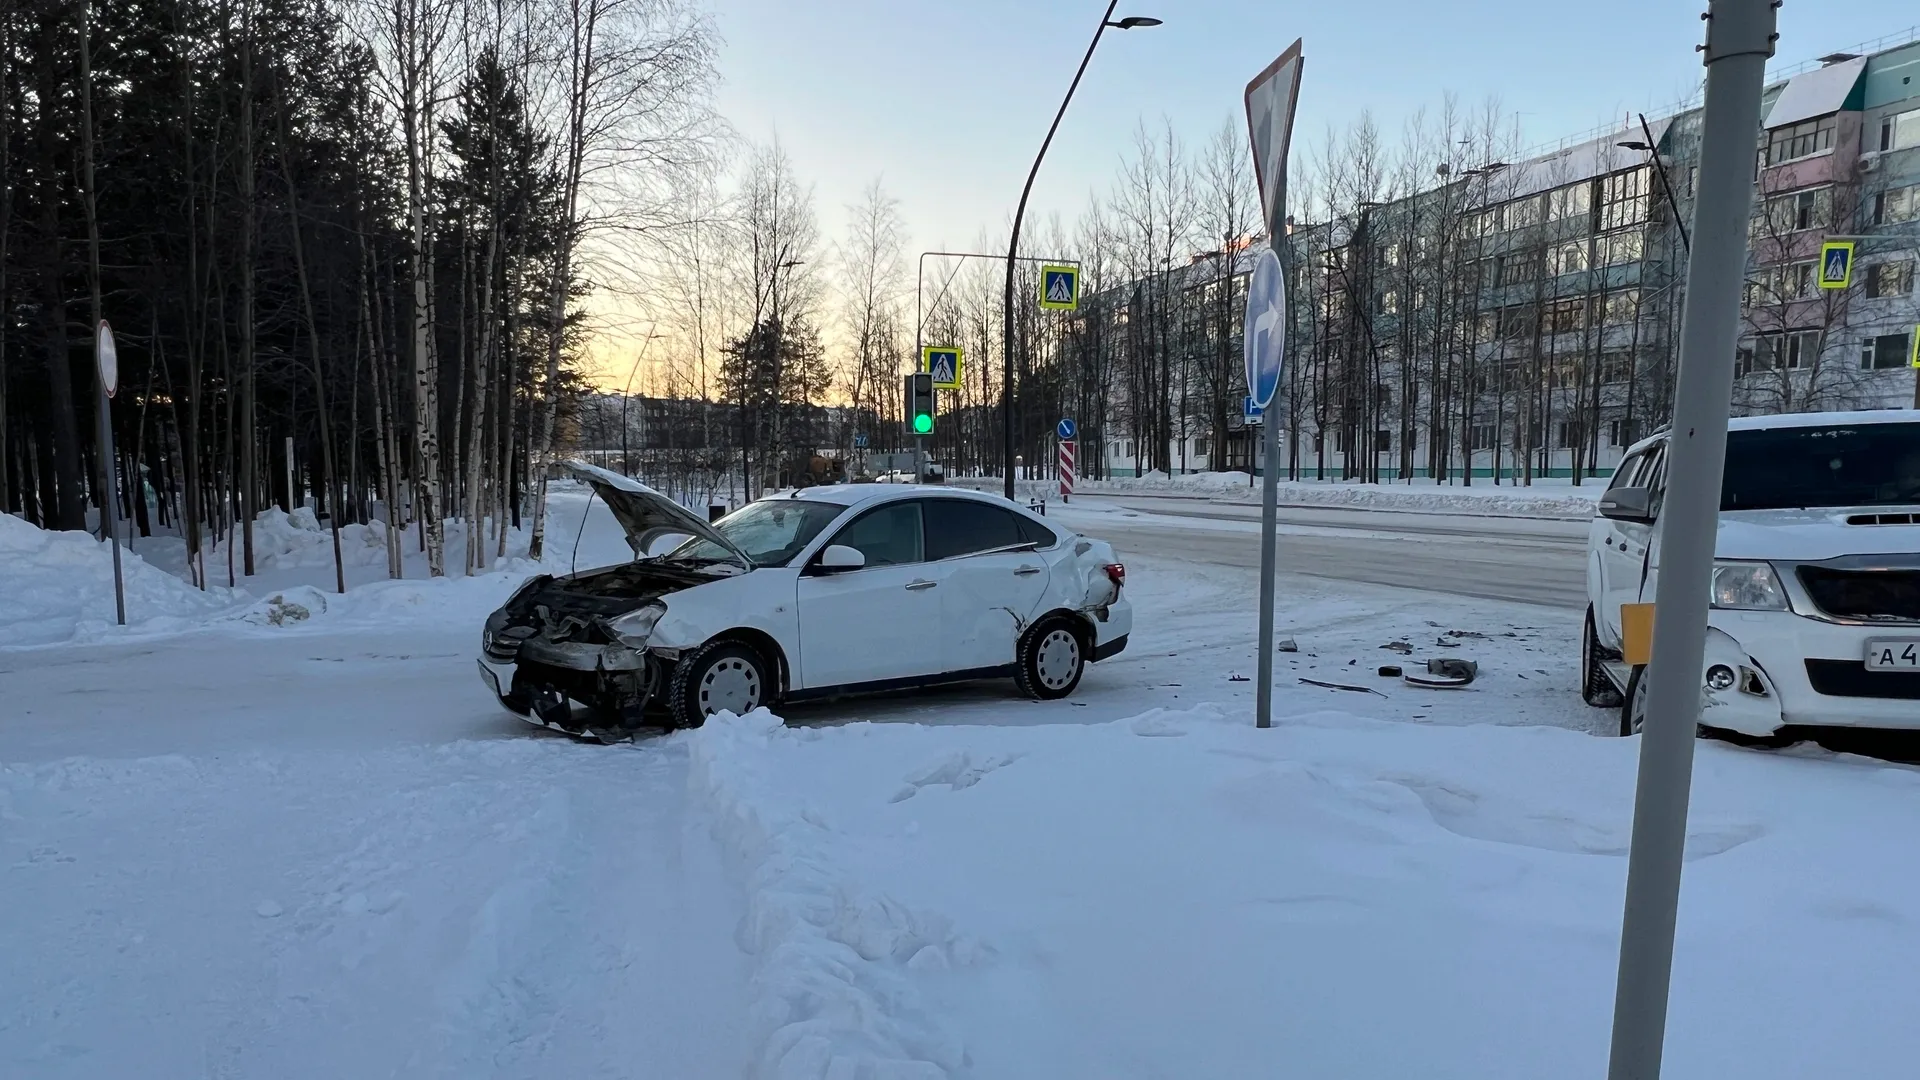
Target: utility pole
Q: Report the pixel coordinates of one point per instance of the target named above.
(1740, 39)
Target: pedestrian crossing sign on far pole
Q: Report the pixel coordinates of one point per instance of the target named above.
(1060, 288)
(1836, 264)
(946, 363)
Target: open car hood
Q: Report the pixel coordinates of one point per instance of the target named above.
(646, 514)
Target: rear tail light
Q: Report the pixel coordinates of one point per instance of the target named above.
(1117, 574)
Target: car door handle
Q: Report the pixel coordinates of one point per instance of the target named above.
(916, 586)
(1026, 571)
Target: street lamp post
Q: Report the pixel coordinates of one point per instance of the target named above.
(1020, 213)
(626, 467)
(1666, 181)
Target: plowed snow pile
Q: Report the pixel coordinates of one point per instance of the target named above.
(57, 587)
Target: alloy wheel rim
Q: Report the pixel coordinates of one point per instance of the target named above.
(1059, 655)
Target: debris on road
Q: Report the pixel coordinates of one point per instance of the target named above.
(1287, 645)
(1389, 671)
(1446, 673)
(1341, 686)
(1402, 647)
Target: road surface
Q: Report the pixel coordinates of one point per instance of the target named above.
(1530, 560)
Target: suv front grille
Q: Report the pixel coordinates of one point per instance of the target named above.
(1866, 595)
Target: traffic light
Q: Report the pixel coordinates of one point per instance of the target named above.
(920, 403)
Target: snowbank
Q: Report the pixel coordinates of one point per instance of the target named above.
(1180, 894)
(57, 587)
(830, 995)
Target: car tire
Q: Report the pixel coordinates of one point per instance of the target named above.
(719, 676)
(1633, 706)
(1596, 686)
(1052, 657)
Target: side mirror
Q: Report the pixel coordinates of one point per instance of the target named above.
(1631, 504)
(838, 559)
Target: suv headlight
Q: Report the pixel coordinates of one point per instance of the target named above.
(1747, 586)
(635, 626)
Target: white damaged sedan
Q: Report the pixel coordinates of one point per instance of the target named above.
(819, 593)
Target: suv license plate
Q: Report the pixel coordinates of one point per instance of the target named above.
(1893, 654)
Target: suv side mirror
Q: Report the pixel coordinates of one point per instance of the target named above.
(1630, 504)
(839, 558)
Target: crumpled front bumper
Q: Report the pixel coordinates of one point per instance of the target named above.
(544, 679)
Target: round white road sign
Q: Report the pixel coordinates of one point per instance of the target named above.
(108, 359)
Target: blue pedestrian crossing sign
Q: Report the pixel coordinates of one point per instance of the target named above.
(1066, 429)
(1060, 288)
(946, 363)
(1836, 264)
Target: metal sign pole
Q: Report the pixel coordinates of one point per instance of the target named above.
(1740, 37)
(1270, 100)
(106, 365)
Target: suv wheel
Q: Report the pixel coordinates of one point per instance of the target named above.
(1052, 658)
(1633, 711)
(720, 676)
(1596, 686)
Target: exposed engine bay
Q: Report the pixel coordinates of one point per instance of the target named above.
(563, 638)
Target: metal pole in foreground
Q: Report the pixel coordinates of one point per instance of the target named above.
(1740, 37)
(109, 498)
(1269, 526)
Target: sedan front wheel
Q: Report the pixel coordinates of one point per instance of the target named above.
(720, 676)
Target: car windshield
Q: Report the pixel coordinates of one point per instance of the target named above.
(1813, 467)
(769, 532)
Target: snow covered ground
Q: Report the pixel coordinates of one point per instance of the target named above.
(1181, 895)
(242, 840)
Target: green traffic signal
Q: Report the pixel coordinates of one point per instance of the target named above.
(922, 424)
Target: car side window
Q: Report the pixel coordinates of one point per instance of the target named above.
(1629, 472)
(1654, 478)
(958, 527)
(1032, 532)
(891, 535)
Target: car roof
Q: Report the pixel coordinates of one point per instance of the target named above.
(1779, 421)
(862, 494)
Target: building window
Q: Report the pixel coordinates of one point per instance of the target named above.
(1796, 141)
(1568, 202)
(1884, 352)
(1890, 279)
(1569, 434)
(1790, 351)
(1563, 316)
(1484, 436)
(1780, 283)
(1383, 440)
(1319, 441)
(1622, 248)
(1896, 207)
(1620, 433)
(1795, 212)
(1616, 367)
(1623, 199)
(1569, 258)
(1129, 447)
(1900, 131)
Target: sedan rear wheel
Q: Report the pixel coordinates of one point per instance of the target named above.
(720, 676)
(1051, 661)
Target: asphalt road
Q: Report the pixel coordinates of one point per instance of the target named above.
(1529, 560)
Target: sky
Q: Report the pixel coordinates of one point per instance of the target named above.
(946, 101)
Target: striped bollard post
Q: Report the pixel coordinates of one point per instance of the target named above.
(1066, 470)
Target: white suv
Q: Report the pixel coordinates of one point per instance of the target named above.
(1816, 581)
